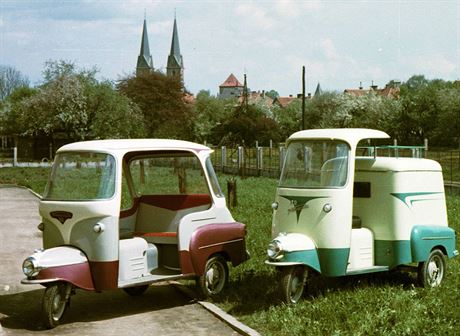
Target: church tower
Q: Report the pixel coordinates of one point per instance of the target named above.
(144, 60)
(175, 65)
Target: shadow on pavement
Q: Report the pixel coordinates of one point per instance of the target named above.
(23, 310)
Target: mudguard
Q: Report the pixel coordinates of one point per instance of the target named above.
(227, 239)
(425, 238)
(297, 249)
(63, 263)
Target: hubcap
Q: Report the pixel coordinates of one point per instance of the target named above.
(434, 272)
(59, 303)
(297, 284)
(213, 277)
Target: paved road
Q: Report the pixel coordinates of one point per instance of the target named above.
(162, 310)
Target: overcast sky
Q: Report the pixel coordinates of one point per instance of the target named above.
(341, 43)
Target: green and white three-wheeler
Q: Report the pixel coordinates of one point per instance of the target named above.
(336, 213)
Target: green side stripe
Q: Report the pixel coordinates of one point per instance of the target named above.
(406, 197)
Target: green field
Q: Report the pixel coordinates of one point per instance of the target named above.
(378, 304)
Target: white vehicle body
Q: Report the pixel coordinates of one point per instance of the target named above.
(340, 214)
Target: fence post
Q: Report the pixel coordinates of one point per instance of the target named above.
(425, 143)
(270, 154)
(241, 160)
(223, 161)
(395, 143)
(260, 160)
(231, 193)
(15, 156)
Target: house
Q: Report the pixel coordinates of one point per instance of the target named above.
(390, 91)
(231, 88)
(257, 98)
(283, 101)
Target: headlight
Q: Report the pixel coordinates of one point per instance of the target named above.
(30, 267)
(275, 250)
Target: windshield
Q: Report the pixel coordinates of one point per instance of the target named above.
(315, 164)
(80, 176)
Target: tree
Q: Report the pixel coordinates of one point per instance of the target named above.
(448, 131)
(72, 104)
(209, 112)
(368, 111)
(112, 114)
(324, 111)
(288, 118)
(10, 79)
(420, 111)
(58, 107)
(272, 94)
(10, 109)
(247, 126)
(161, 100)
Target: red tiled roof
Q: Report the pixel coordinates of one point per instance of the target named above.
(357, 92)
(231, 81)
(257, 97)
(283, 101)
(389, 92)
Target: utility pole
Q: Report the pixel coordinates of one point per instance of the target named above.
(245, 94)
(303, 97)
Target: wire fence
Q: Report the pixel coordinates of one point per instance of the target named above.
(267, 161)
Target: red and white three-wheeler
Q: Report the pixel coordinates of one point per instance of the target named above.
(128, 213)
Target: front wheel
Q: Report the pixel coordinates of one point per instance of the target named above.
(55, 302)
(215, 277)
(431, 272)
(293, 281)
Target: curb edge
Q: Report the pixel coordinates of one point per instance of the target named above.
(217, 312)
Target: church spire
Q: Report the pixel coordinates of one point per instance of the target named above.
(175, 65)
(144, 60)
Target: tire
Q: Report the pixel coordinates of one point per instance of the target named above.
(292, 283)
(136, 291)
(432, 271)
(215, 277)
(55, 301)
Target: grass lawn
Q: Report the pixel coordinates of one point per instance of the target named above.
(378, 304)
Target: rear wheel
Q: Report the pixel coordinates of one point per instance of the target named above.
(55, 302)
(136, 291)
(431, 272)
(293, 281)
(215, 277)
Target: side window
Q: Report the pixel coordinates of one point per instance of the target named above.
(168, 175)
(362, 190)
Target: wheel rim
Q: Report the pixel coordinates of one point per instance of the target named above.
(296, 286)
(435, 271)
(215, 275)
(59, 302)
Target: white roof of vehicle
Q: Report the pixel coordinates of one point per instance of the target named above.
(349, 135)
(385, 164)
(128, 145)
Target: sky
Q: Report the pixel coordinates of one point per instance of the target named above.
(340, 43)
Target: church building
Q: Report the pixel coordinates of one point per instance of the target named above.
(175, 63)
(144, 60)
